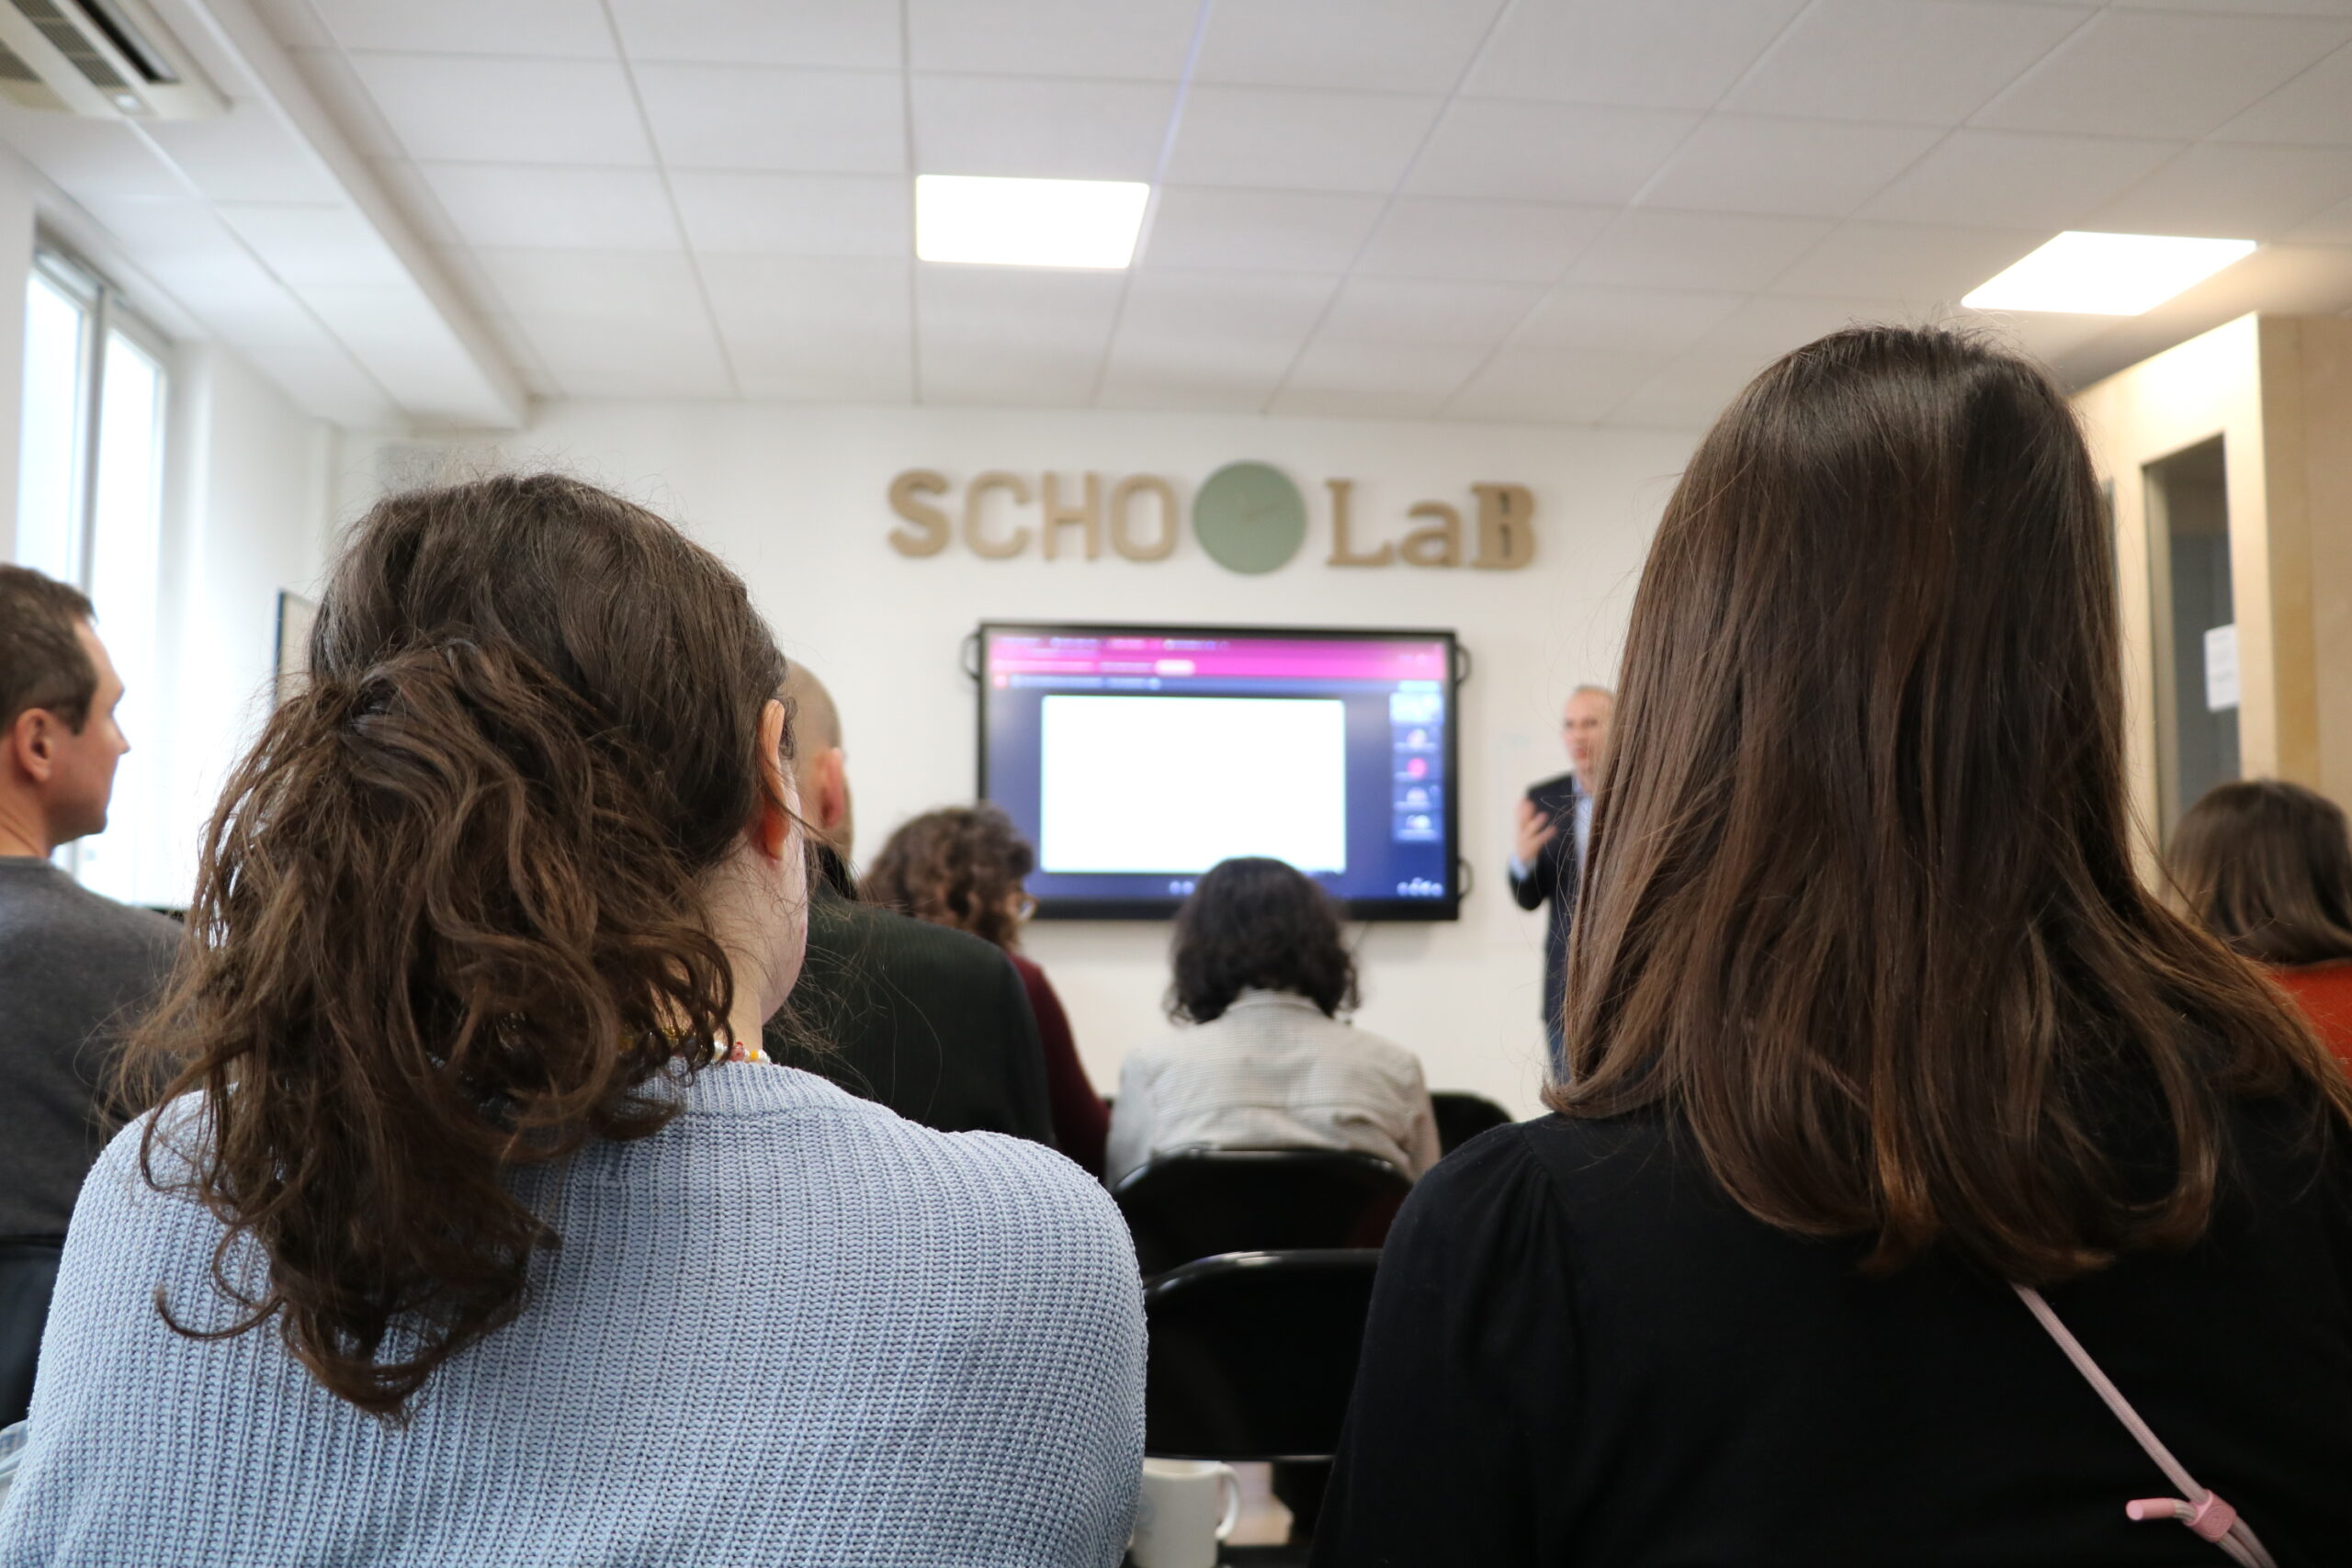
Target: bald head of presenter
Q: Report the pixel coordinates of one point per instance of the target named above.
(1549, 834)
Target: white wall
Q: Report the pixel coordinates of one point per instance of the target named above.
(246, 515)
(795, 498)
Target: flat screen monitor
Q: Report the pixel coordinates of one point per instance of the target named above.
(1135, 758)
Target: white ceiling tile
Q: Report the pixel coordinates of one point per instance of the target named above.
(1553, 384)
(848, 34)
(1645, 323)
(1165, 309)
(498, 207)
(1662, 53)
(1520, 152)
(247, 154)
(320, 375)
(2157, 73)
(586, 287)
(627, 359)
(2023, 178)
(1218, 368)
(815, 328)
(726, 117)
(1143, 40)
(545, 30)
(293, 24)
(91, 158)
(1354, 402)
(2039, 334)
(2333, 227)
(2233, 192)
(1258, 230)
(2274, 7)
(1012, 334)
(1691, 250)
(452, 109)
(1416, 369)
(1924, 265)
(523, 355)
(1215, 389)
(2312, 110)
(347, 101)
(1420, 310)
(1688, 394)
(1295, 140)
(314, 245)
(957, 371)
(1803, 167)
(1400, 46)
(415, 200)
(795, 215)
(1927, 62)
(1503, 242)
(1769, 325)
(1040, 127)
(464, 273)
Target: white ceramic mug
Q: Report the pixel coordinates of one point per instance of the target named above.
(1187, 1508)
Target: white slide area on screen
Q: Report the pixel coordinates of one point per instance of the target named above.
(1178, 784)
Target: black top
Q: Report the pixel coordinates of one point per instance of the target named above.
(1551, 884)
(1581, 1351)
(931, 1022)
(76, 970)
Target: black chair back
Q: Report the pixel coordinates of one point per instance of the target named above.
(1462, 1117)
(1253, 1354)
(1201, 1202)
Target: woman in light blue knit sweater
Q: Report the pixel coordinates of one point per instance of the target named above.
(471, 1235)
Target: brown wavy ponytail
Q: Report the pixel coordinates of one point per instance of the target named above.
(449, 915)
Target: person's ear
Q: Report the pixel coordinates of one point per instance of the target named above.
(828, 790)
(32, 744)
(770, 827)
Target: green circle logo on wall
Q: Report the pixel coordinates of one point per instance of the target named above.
(1249, 517)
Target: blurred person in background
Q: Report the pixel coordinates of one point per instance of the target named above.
(75, 969)
(475, 1227)
(963, 867)
(1262, 975)
(1550, 837)
(935, 1023)
(2266, 866)
(1870, 1019)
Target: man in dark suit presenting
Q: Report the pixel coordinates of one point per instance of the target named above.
(1552, 832)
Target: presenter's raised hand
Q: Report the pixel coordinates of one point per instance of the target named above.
(1535, 829)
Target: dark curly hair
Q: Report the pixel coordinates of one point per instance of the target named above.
(450, 914)
(1254, 924)
(957, 866)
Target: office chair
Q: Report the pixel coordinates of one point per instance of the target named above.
(1201, 1202)
(1462, 1117)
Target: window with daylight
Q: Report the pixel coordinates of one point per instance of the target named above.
(89, 511)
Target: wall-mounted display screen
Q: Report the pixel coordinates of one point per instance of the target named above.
(1135, 758)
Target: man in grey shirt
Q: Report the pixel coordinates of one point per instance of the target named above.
(74, 968)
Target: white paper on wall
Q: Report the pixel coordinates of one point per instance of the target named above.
(2222, 668)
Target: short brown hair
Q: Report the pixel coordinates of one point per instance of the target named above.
(1862, 914)
(957, 866)
(2267, 865)
(42, 662)
(1256, 924)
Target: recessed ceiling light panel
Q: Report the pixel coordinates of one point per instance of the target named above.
(2106, 274)
(1000, 222)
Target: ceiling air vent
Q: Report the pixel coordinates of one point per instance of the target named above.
(107, 58)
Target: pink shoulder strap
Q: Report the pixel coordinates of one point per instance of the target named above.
(2203, 1512)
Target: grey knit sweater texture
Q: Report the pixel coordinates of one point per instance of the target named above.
(789, 1328)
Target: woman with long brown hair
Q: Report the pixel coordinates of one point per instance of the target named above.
(962, 867)
(1870, 1022)
(475, 1227)
(2266, 866)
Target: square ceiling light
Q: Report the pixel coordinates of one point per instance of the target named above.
(2106, 274)
(1002, 222)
